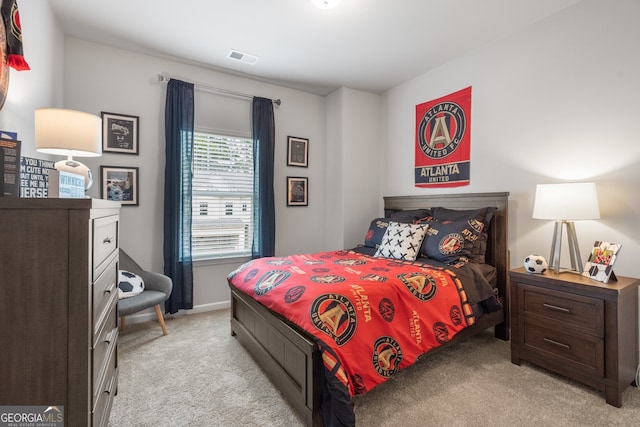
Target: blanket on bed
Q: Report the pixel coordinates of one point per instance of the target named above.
(371, 316)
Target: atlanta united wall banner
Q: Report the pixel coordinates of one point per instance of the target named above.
(443, 141)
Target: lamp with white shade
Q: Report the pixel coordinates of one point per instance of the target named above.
(565, 203)
(69, 133)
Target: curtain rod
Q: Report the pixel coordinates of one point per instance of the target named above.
(164, 79)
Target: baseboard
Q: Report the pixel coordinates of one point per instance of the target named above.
(150, 314)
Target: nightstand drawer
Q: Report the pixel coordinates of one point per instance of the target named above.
(578, 352)
(576, 312)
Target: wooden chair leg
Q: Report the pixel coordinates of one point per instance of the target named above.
(122, 324)
(161, 319)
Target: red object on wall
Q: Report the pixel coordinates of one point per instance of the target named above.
(443, 141)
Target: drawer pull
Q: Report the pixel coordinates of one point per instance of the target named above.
(110, 335)
(107, 240)
(556, 308)
(559, 344)
(109, 386)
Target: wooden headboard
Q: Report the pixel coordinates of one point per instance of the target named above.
(497, 244)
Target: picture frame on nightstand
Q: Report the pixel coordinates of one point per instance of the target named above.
(599, 266)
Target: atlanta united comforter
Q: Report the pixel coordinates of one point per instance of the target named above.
(370, 316)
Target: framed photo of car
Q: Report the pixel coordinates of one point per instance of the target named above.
(119, 133)
(119, 184)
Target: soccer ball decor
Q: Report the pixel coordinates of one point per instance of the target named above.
(535, 264)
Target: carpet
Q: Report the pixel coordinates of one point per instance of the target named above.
(199, 375)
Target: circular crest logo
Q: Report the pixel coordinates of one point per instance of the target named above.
(334, 315)
(387, 356)
(441, 332)
(451, 244)
(270, 280)
(456, 315)
(328, 279)
(441, 130)
(421, 285)
(358, 384)
(250, 275)
(386, 309)
(294, 294)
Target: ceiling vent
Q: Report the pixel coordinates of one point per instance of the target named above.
(247, 58)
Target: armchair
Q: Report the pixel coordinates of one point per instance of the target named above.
(157, 289)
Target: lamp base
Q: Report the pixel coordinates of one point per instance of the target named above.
(556, 248)
(73, 166)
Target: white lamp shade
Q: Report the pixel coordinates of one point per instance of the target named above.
(68, 132)
(568, 201)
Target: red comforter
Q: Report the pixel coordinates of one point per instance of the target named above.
(372, 316)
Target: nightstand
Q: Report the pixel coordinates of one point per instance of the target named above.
(577, 327)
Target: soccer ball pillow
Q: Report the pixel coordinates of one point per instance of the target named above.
(535, 264)
(129, 284)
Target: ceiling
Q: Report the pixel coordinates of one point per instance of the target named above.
(370, 45)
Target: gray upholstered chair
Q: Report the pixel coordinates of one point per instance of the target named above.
(157, 289)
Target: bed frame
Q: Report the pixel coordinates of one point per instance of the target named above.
(289, 355)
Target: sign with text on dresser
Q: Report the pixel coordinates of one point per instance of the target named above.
(443, 141)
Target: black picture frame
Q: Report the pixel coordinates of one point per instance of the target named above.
(297, 151)
(119, 184)
(297, 191)
(120, 133)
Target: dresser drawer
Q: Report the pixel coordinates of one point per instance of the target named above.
(573, 351)
(102, 408)
(575, 312)
(105, 289)
(104, 362)
(105, 242)
(104, 344)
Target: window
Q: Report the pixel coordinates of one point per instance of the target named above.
(222, 179)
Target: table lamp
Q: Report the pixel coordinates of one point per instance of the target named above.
(565, 203)
(69, 133)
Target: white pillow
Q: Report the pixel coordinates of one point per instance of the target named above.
(129, 284)
(402, 241)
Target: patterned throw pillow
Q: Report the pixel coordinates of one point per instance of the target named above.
(376, 231)
(450, 241)
(129, 284)
(483, 215)
(402, 241)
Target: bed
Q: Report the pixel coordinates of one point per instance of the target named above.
(292, 357)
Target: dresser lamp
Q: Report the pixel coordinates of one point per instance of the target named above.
(565, 203)
(69, 133)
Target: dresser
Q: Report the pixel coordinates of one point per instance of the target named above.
(58, 320)
(577, 327)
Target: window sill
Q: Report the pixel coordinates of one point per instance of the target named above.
(221, 261)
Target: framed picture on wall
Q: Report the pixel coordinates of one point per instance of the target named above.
(119, 133)
(119, 184)
(297, 191)
(297, 151)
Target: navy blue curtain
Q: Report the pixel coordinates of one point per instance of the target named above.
(264, 215)
(178, 124)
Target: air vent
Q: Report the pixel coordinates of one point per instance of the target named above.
(247, 58)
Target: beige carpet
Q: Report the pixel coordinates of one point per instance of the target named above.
(199, 375)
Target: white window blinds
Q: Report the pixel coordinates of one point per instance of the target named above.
(222, 196)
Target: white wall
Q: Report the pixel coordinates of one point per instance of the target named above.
(553, 103)
(100, 78)
(353, 158)
(41, 86)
